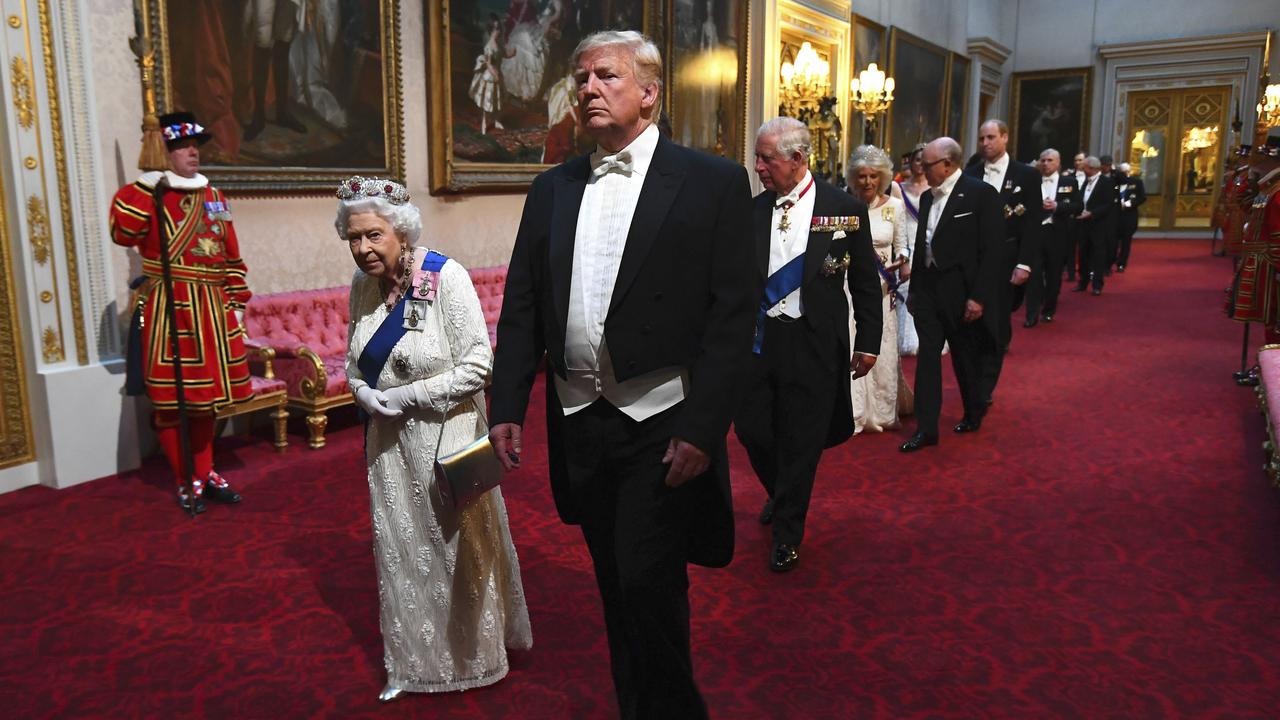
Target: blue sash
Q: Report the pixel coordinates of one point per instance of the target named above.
(906, 200)
(781, 284)
(378, 350)
(895, 295)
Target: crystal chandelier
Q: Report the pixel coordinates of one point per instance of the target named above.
(872, 91)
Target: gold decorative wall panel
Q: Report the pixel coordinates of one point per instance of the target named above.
(38, 227)
(64, 190)
(16, 446)
(23, 92)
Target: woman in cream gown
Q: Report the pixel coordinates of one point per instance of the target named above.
(909, 193)
(876, 395)
(449, 585)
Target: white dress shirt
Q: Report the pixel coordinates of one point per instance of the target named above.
(786, 246)
(993, 172)
(604, 221)
(1088, 187)
(1080, 178)
(1049, 191)
(941, 195)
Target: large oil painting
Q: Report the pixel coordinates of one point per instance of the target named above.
(296, 93)
(502, 98)
(707, 56)
(958, 95)
(919, 69)
(1050, 110)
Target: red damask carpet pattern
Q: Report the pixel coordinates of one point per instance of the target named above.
(1107, 546)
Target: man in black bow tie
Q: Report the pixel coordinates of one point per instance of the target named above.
(810, 238)
(629, 276)
(955, 273)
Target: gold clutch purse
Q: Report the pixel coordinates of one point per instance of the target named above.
(466, 474)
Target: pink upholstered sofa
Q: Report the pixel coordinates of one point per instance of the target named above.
(1269, 403)
(308, 331)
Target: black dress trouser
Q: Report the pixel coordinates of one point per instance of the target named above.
(1045, 283)
(1093, 252)
(790, 394)
(638, 532)
(937, 303)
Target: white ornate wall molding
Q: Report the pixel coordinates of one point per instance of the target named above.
(987, 77)
(1214, 60)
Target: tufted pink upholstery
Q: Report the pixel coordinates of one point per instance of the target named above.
(489, 283)
(316, 320)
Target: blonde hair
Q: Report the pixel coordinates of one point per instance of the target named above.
(870, 156)
(646, 61)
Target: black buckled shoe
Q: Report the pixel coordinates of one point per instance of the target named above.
(964, 426)
(1030, 322)
(184, 502)
(1048, 317)
(917, 441)
(220, 493)
(784, 558)
(766, 513)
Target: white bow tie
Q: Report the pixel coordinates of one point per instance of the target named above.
(787, 201)
(993, 169)
(937, 192)
(620, 162)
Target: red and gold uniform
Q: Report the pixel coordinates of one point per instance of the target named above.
(1233, 207)
(208, 287)
(1257, 291)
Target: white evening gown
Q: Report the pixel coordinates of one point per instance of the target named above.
(908, 341)
(449, 591)
(875, 395)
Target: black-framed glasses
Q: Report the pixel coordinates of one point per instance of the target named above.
(927, 165)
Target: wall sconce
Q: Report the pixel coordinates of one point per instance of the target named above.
(806, 96)
(1269, 108)
(872, 94)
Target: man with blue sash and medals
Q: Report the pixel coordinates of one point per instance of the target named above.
(810, 239)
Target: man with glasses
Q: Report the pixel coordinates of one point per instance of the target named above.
(955, 272)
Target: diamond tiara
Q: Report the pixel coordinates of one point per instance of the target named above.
(357, 187)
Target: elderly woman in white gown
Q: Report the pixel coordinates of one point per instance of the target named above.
(449, 586)
(876, 395)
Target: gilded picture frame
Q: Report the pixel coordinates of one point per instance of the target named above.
(1050, 109)
(919, 69)
(338, 111)
(497, 75)
(707, 43)
(957, 95)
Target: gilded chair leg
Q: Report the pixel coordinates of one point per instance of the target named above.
(281, 418)
(316, 423)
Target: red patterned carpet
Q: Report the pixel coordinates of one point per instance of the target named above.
(1107, 546)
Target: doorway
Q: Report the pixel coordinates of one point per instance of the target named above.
(1175, 144)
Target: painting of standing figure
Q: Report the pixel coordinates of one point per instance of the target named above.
(708, 56)
(294, 92)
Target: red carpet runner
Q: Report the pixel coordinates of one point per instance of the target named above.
(1106, 546)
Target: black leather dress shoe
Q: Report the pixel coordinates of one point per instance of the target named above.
(1097, 291)
(917, 441)
(784, 557)
(1030, 322)
(766, 513)
(185, 503)
(967, 426)
(1080, 288)
(1048, 317)
(221, 494)
(1120, 268)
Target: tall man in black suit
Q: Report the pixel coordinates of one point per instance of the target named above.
(810, 238)
(1060, 200)
(1094, 224)
(1019, 188)
(955, 273)
(631, 276)
(1131, 193)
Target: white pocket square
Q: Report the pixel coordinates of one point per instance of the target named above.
(960, 215)
(837, 235)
